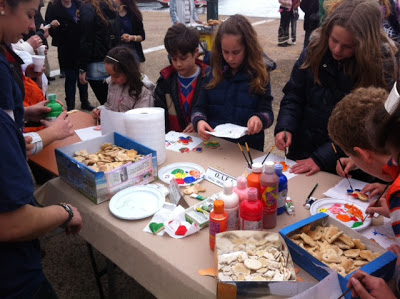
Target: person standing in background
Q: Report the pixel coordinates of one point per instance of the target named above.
(289, 16)
(132, 31)
(183, 11)
(311, 18)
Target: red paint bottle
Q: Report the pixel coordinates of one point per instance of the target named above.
(251, 212)
(218, 221)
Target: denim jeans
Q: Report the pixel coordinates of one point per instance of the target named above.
(71, 80)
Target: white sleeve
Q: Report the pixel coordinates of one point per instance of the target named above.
(36, 141)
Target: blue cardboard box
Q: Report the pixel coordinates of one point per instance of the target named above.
(382, 266)
(100, 186)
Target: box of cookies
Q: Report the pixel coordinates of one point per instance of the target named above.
(252, 259)
(102, 166)
(321, 241)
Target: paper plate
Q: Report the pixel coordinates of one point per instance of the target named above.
(185, 173)
(327, 203)
(136, 202)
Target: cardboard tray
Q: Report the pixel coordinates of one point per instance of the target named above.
(382, 266)
(100, 186)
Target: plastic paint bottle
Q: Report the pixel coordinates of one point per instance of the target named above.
(269, 196)
(218, 221)
(241, 188)
(231, 203)
(253, 179)
(251, 212)
(283, 188)
(56, 108)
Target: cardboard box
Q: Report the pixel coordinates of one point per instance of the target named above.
(382, 266)
(100, 186)
(248, 289)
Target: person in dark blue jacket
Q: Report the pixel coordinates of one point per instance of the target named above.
(350, 50)
(238, 89)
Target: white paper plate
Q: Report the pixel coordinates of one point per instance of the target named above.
(136, 202)
(326, 203)
(166, 174)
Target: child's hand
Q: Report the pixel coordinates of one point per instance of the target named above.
(373, 189)
(61, 128)
(307, 165)
(361, 281)
(37, 112)
(280, 140)
(254, 125)
(396, 250)
(381, 208)
(189, 129)
(96, 113)
(202, 127)
(29, 146)
(348, 165)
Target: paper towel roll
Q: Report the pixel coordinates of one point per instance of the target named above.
(112, 121)
(147, 126)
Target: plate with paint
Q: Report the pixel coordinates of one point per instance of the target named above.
(185, 173)
(136, 202)
(349, 213)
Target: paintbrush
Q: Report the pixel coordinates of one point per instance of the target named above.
(248, 163)
(341, 165)
(311, 193)
(248, 152)
(272, 148)
(348, 290)
(285, 147)
(376, 201)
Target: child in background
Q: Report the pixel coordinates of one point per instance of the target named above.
(289, 16)
(238, 90)
(179, 84)
(126, 89)
(350, 50)
(364, 137)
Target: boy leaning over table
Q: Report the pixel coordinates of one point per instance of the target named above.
(22, 223)
(354, 125)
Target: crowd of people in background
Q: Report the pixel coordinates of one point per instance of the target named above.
(351, 53)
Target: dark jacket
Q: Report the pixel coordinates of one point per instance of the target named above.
(306, 107)
(137, 29)
(95, 40)
(167, 94)
(231, 102)
(67, 35)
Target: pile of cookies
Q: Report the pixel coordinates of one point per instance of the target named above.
(107, 158)
(212, 22)
(260, 257)
(334, 248)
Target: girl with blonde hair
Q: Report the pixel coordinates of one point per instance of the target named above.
(238, 89)
(350, 50)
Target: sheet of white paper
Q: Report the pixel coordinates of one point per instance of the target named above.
(173, 142)
(277, 159)
(340, 190)
(382, 234)
(112, 121)
(229, 131)
(88, 133)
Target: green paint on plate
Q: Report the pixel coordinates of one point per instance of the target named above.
(357, 224)
(178, 170)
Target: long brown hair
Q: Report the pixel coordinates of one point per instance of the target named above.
(132, 7)
(238, 25)
(96, 5)
(362, 19)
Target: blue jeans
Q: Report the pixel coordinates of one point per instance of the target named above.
(71, 80)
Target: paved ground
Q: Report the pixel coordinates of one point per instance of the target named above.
(66, 262)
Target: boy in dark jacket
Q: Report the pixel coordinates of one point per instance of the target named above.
(179, 84)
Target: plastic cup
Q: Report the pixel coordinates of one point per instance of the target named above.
(41, 50)
(38, 61)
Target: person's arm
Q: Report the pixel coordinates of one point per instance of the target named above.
(199, 109)
(264, 108)
(172, 11)
(87, 30)
(29, 222)
(161, 101)
(60, 129)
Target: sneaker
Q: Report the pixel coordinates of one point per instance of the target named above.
(293, 42)
(285, 44)
(87, 107)
(50, 78)
(62, 75)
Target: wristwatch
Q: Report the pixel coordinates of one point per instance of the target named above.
(70, 212)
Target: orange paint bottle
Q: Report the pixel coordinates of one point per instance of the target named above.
(218, 221)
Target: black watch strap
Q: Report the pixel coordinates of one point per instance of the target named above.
(70, 212)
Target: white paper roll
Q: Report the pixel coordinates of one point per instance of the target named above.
(147, 126)
(112, 121)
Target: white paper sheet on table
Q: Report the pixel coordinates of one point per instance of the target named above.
(88, 133)
(382, 234)
(229, 131)
(172, 141)
(278, 159)
(340, 189)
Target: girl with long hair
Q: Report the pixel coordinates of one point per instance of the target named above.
(126, 89)
(238, 89)
(350, 50)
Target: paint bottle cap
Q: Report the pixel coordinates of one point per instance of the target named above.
(252, 194)
(219, 207)
(269, 167)
(257, 167)
(241, 182)
(278, 169)
(228, 187)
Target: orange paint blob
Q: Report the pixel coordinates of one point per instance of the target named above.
(352, 210)
(284, 165)
(343, 217)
